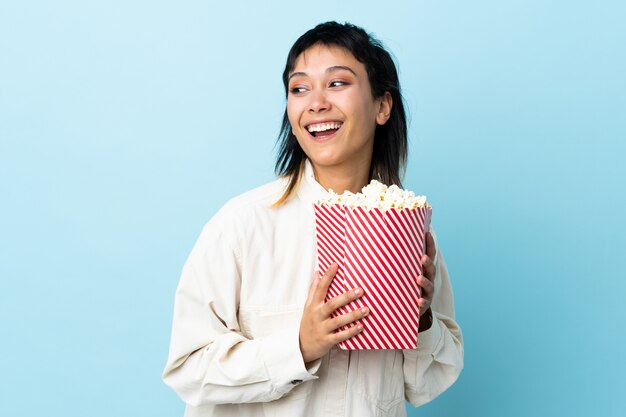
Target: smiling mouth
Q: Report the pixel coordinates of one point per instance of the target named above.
(321, 130)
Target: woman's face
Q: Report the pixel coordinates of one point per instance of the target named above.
(331, 109)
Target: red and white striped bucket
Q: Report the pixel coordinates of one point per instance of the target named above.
(378, 251)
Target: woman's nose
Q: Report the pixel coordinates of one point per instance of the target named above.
(319, 101)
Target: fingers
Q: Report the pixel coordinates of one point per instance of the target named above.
(345, 319)
(324, 283)
(431, 250)
(423, 304)
(347, 334)
(428, 258)
(318, 327)
(428, 266)
(428, 287)
(428, 290)
(342, 300)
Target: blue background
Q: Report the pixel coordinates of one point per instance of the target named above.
(125, 125)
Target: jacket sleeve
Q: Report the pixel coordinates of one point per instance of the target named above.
(210, 361)
(438, 360)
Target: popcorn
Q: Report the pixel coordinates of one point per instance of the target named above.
(378, 195)
(377, 238)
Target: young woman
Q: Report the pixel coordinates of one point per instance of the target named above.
(252, 332)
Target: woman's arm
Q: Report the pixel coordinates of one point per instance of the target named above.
(438, 360)
(210, 360)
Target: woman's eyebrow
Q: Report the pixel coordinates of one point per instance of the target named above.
(334, 68)
(340, 68)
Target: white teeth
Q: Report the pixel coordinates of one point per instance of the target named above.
(320, 127)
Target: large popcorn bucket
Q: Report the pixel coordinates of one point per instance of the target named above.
(379, 251)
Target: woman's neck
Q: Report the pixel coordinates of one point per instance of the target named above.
(343, 178)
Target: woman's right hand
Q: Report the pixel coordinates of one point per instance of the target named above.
(317, 327)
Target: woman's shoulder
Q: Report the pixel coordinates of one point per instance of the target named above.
(260, 198)
(263, 196)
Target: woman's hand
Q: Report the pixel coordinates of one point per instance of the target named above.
(317, 327)
(427, 283)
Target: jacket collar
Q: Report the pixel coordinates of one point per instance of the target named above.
(310, 190)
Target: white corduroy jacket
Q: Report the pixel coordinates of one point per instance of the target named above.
(235, 336)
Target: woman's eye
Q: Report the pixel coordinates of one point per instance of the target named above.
(337, 83)
(297, 90)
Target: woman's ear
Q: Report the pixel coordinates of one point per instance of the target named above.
(384, 111)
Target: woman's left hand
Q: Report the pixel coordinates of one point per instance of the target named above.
(427, 280)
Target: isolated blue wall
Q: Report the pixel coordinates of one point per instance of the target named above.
(125, 125)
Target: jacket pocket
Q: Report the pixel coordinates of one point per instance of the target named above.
(380, 380)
